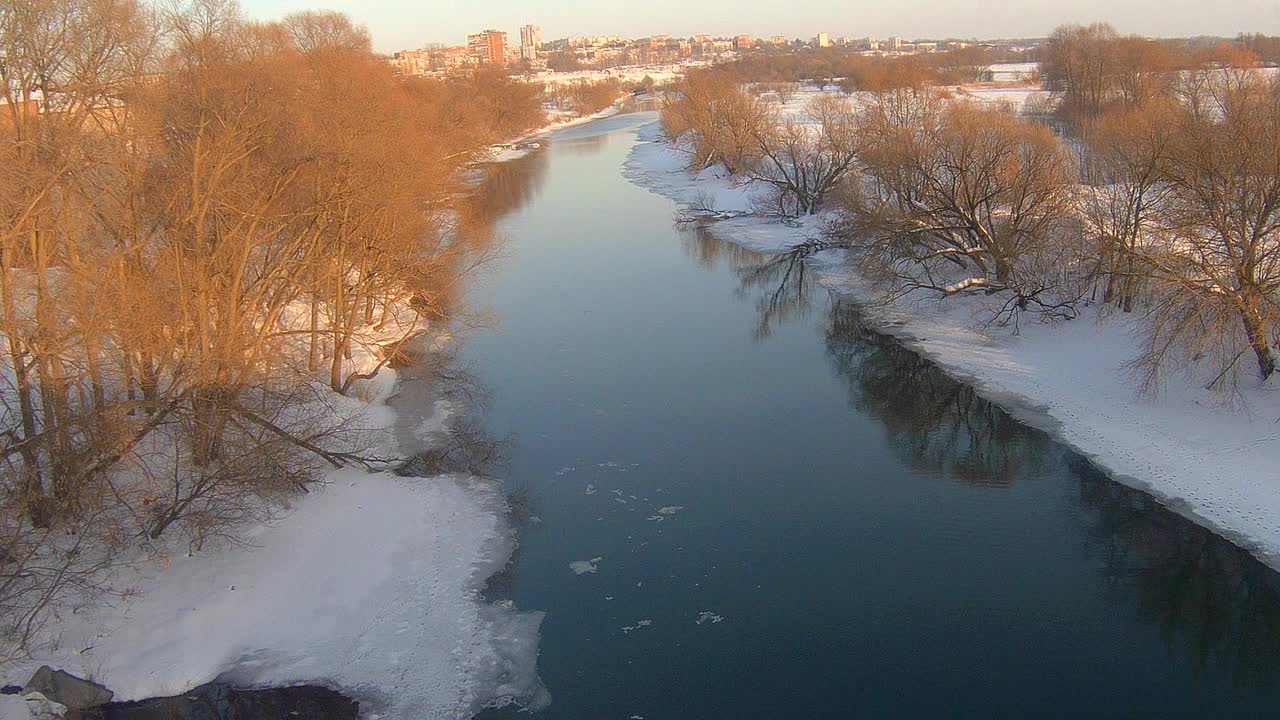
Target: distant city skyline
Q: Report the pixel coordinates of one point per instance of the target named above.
(399, 24)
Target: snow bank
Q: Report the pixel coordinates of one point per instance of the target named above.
(1217, 465)
(29, 707)
(522, 145)
(370, 584)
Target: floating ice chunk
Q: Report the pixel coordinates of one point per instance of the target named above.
(670, 509)
(707, 616)
(626, 630)
(582, 567)
(591, 489)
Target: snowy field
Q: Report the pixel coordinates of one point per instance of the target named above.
(1217, 465)
(661, 73)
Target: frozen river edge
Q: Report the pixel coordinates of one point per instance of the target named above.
(371, 584)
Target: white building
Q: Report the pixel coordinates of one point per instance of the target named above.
(530, 41)
(822, 40)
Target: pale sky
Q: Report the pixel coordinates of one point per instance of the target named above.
(402, 24)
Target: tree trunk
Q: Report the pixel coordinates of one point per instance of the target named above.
(313, 354)
(208, 416)
(1255, 329)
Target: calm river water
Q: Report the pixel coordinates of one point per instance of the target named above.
(738, 514)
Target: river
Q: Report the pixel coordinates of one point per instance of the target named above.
(737, 501)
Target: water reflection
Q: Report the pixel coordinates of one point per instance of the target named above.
(583, 144)
(708, 251)
(440, 405)
(502, 188)
(935, 424)
(1212, 602)
(1206, 595)
(781, 283)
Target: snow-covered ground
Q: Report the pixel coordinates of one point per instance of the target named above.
(659, 72)
(523, 145)
(370, 584)
(1013, 72)
(1216, 464)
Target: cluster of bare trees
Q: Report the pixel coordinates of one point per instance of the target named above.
(201, 220)
(585, 97)
(1163, 201)
(801, 157)
(1180, 166)
(1093, 68)
(959, 198)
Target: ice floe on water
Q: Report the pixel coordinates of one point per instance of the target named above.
(706, 616)
(582, 567)
(665, 513)
(628, 629)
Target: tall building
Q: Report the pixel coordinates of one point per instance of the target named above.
(530, 41)
(822, 40)
(488, 47)
(895, 43)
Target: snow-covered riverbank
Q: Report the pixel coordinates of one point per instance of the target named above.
(370, 584)
(1218, 465)
(523, 145)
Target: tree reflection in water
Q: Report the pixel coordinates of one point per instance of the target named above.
(584, 144)
(937, 425)
(782, 281)
(1211, 599)
(708, 251)
(1204, 593)
(501, 189)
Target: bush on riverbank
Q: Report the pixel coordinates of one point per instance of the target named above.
(211, 229)
(1162, 206)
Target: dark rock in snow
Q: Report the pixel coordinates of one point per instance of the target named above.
(11, 690)
(67, 689)
(221, 702)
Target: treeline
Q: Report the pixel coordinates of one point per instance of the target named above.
(1266, 47)
(585, 97)
(1165, 203)
(204, 222)
(855, 71)
(1092, 68)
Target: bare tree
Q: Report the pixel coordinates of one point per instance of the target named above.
(1125, 155)
(803, 160)
(961, 199)
(721, 121)
(317, 30)
(1218, 267)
